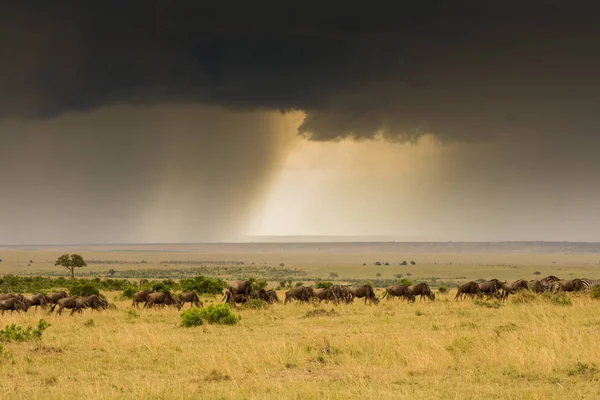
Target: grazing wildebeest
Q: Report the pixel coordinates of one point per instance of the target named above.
(468, 289)
(37, 300)
(326, 295)
(93, 301)
(140, 297)
(536, 286)
(190, 297)
(13, 304)
(162, 299)
(273, 298)
(56, 296)
(302, 294)
(365, 291)
(491, 287)
(243, 288)
(566, 286)
(514, 287)
(398, 291)
(70, 303)
(238, 298)
(260, 294)
(342, 293)
(421, 289)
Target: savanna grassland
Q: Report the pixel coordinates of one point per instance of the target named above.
(531, 348)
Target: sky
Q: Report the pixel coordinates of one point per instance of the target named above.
(190, 122)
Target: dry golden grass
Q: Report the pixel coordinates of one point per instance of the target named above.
(441, 350)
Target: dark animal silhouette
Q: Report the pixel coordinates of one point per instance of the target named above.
(56, 296)
(6, 296)
(238, 298)
(514, 287)
(37, 300)
(326, 295)
(302, 294)
(13, 304)
(366, 292)
(93, 301)
(161, 299)
(468, 289)
(243, 288)
(140, 297)
(548, 281)
(492, 287)
(342, 293)
(70, 303)
(189, 297)
(273, 298)
(536, 286)
(423, 290)
(402, 291)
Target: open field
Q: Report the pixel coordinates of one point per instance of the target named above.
(441, 350)
(446, 349)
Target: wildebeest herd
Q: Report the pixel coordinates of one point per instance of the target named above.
(241, 292)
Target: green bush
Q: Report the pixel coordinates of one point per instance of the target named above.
(219, 314)
(15, 333)
(191, 317)
(258, 284)
(560, 299)
(442, 289)
(129, 292)
(203, 285)
(160, 287)
(84, 289)
(595, 292)
(406, 282)
(323, 285)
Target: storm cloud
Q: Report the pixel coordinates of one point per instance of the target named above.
(463, 70)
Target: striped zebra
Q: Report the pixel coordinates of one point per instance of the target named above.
(588, 284)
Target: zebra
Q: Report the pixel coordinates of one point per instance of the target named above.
(588, 284)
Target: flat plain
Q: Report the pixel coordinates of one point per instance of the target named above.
(532, 349)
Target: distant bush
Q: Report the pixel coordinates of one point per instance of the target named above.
(203, 285)
(84, 289)
(323, 285)
(15, 333)
(191, 317)
(258, 284)
(595, 292)
(219, 314)
(399, 276)
(442, 289)
(406, 282)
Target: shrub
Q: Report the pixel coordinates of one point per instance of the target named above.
(160, 287)
(84, 289)
(399, 276)
(15, 333)
(256, 284)
(129, 292)
(203, 285)
(595, 292)
(560, 299)
(405, 281)
(191, 317)
(219, 314)
(443, 289)
(256, 304)
(323, 285)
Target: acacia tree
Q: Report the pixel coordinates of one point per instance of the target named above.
(71, 262)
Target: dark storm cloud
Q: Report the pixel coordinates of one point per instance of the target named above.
(463, 69)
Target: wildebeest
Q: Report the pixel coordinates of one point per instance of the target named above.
(238, 298)
(491, 287)
(69, 302)
(56, 296)
(342, 293)
(573, 285)
(243, 288)
(162, 299)
(536, 286)
(513, 287)
(326, 295)
(140, 297)
(13, 304)
(93, 301)
(468, 289)
(273, 298)
(548, 281)
(6, 296)
(302, 294)
(189, 297)
(421, 289)
(365, 291)
(37, 300)
(398, 291)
